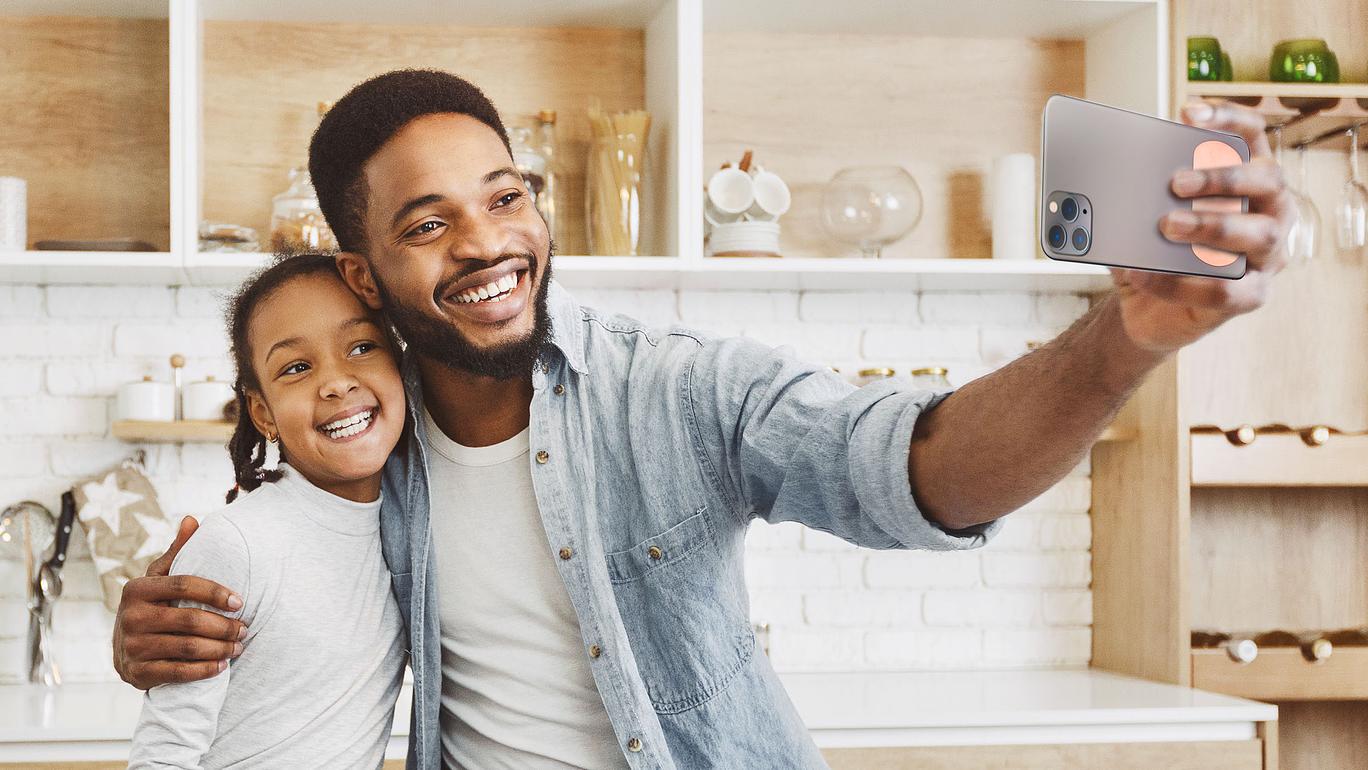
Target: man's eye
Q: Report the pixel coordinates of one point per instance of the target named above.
(425, 228)
(508, 199)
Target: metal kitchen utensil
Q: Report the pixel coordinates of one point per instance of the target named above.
(47, 590)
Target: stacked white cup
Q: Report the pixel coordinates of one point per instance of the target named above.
(742, 211)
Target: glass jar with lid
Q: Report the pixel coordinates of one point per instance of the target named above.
(874, 374)
(931, 378)
(530, 162)
(297, 223)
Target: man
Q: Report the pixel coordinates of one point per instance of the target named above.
(565, 522)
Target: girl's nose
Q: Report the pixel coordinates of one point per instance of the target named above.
(338, 385)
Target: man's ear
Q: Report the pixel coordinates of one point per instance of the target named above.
(261, 415)
(356, 273)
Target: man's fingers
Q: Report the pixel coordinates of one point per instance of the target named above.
(1256, 235)
(150, 647)
(148, 675)
(1262, 181)
(162, 566)
(1231, 118)
(182, 588)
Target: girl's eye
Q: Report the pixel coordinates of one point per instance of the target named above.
(295, 368)
(426, 228)
(362, 347)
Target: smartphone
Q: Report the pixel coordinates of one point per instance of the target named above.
(1104, 185)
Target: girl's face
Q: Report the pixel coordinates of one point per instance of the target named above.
(329, 384)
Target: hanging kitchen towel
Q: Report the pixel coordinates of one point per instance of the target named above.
(124, 525)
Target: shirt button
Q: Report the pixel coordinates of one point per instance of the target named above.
(595, 651)
(634, 744)
(543, 456)
(654, 552)
(566, 553)
(559, 389)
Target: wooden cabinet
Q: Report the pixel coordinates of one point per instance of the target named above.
(1191, 531)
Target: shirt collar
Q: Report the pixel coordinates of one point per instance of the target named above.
(567, 336)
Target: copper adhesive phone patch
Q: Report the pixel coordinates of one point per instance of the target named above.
(1215, 154)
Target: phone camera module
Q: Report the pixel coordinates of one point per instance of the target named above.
(1069, 208)
(1080, 239)
(1057, 237)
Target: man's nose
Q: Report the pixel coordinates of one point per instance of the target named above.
(482, 238)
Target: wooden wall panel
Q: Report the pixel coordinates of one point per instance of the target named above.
(1140, 538)
(942, 108)
(262, 83)
(86, 104)
(1279, 558)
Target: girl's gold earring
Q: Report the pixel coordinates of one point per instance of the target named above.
(272, 438)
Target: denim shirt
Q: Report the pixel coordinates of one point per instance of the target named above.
(652, 451)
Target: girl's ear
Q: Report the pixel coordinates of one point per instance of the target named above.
(261, 416)
(356, 273)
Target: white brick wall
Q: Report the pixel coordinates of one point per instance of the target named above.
(1023, 600)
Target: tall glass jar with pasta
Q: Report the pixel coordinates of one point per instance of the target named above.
(613, 185)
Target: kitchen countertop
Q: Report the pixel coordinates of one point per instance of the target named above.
(851, 709)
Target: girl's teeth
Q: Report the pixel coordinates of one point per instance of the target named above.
(352, 425)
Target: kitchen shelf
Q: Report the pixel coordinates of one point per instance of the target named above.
(1282, 674)
(747, 273)
(1279, 460)
(1309, 113)
(91, 267)
(179, 432)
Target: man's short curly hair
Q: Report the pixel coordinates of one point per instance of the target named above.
(361, 122)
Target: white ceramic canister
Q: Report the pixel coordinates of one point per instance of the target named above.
(204, 400)
(147, 400)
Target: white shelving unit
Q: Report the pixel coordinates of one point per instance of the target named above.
(1126, 56)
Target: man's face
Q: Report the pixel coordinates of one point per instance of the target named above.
(458, 251)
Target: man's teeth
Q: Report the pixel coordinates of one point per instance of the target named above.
(349, 426)
(495, 291)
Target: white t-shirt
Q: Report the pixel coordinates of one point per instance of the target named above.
(324, 654)
(516, 687)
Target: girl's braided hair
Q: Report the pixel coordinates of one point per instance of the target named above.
(247, 447)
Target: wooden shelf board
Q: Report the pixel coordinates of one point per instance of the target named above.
(1279, 460)
(180, 432)
(1282, 674)
(1277, 90)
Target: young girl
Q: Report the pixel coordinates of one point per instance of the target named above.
(323, 658)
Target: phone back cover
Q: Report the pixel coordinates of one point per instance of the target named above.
(1124, 162)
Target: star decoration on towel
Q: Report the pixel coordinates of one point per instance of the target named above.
(105, 501)
(159, 535)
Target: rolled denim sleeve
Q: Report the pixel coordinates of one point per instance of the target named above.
(790, 441)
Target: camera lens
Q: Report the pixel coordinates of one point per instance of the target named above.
(1069, 208)
(1057, 236)
(1080, 239)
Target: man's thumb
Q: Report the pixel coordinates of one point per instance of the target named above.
(162, 566)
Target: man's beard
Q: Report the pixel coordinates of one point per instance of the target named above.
(445, 344)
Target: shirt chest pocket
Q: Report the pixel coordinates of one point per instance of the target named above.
(683, 614)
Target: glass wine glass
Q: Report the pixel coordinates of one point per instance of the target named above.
(871, 207)
(1301, 237)
(1352, 214)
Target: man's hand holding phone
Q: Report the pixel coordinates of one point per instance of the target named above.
(1163, 312)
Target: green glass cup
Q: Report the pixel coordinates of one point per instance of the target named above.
(1227, 70)
(1204, 58)
(1308, 60)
